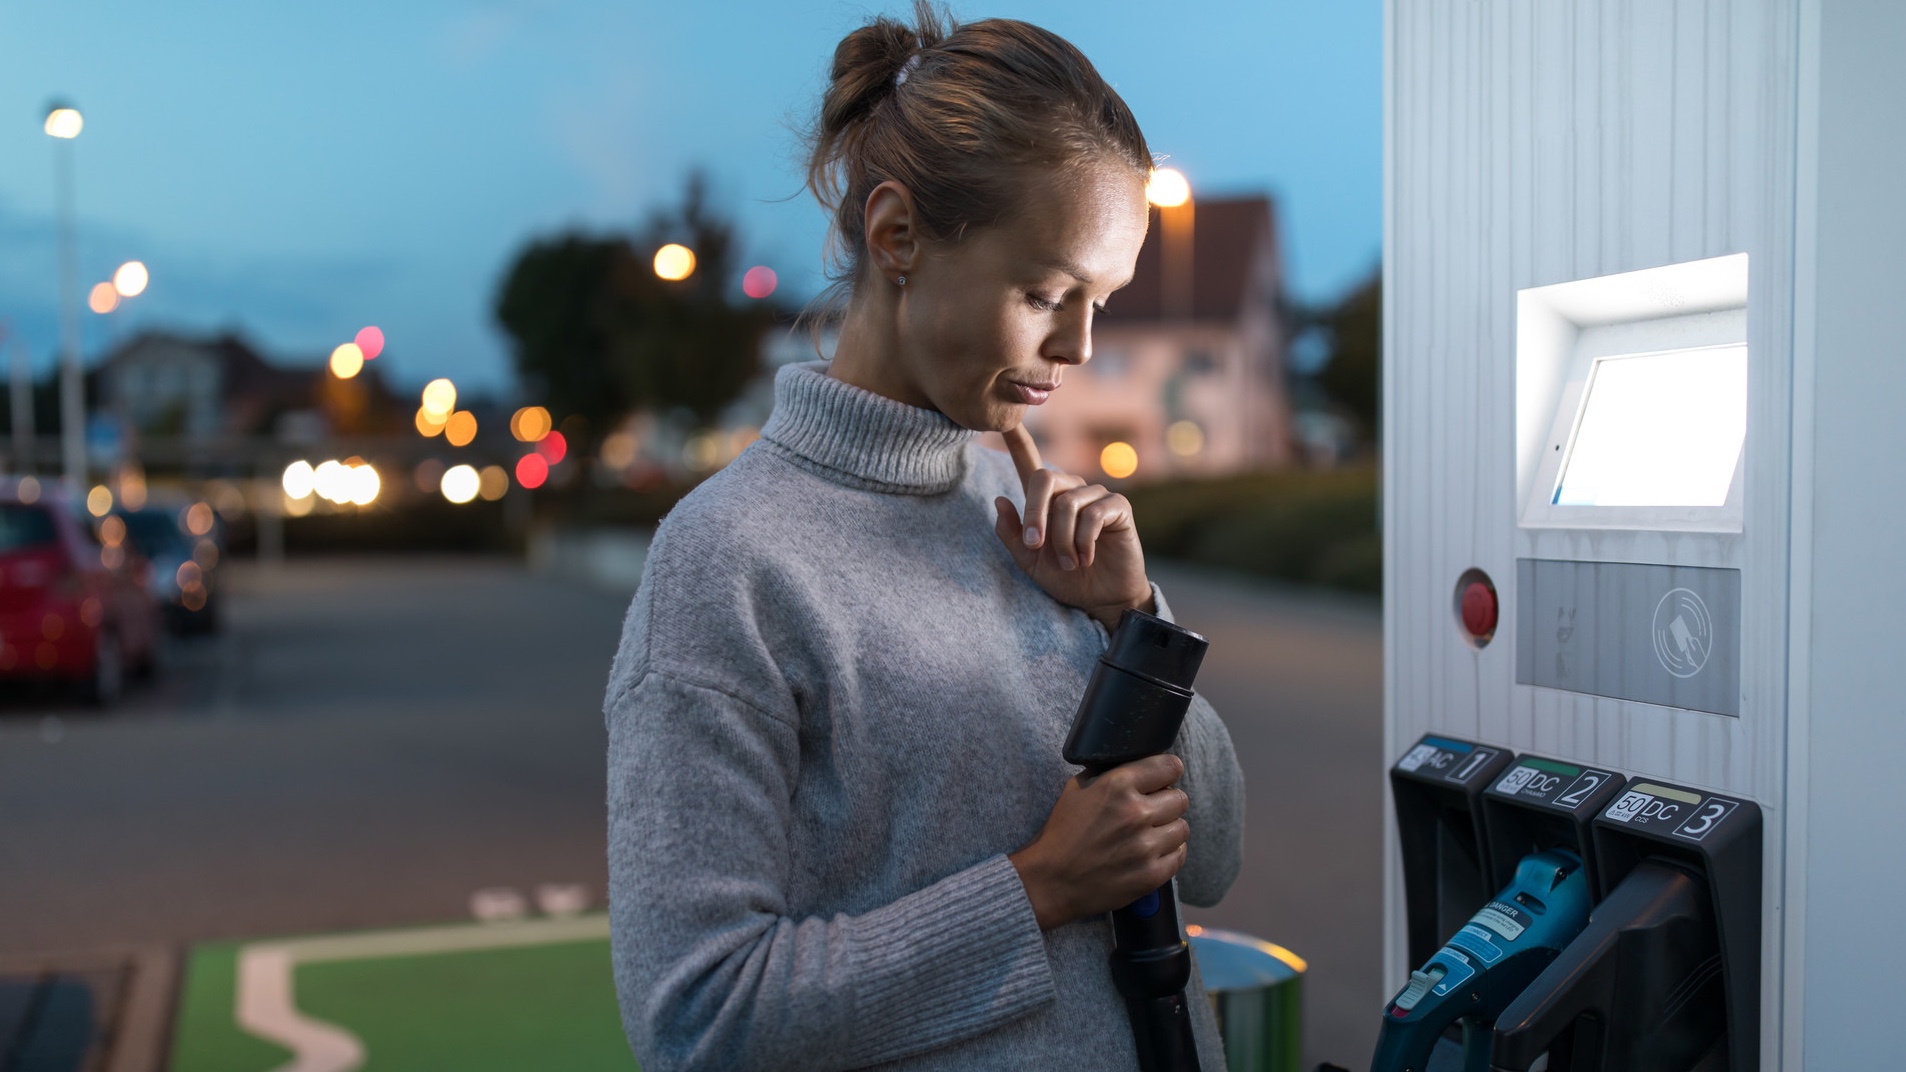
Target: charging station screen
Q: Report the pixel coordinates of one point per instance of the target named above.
(1661, 429)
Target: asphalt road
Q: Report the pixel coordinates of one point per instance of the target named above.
(372, 741)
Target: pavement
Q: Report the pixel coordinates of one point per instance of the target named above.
(392, 744)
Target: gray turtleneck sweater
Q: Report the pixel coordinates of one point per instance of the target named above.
(837, 705)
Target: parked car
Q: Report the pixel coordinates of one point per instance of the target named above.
(184, 542)
(71, 606)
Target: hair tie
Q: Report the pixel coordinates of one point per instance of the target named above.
(906, 69)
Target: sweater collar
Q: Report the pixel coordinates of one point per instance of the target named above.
(855, 437)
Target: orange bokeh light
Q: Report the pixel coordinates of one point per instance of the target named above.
(103, 299)
(461, 428)
(530, 424)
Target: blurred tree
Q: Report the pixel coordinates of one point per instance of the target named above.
(554, 304)
(597, 333)
(1350, 333)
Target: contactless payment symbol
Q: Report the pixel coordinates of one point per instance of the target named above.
(1683, 632)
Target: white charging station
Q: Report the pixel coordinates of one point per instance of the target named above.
(1644, 371)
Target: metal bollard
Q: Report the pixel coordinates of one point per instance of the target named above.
(1257, 990)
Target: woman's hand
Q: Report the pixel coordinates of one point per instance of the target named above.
(1078, 541)
(1109, 841)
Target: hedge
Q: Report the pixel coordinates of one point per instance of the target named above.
(1309, 527)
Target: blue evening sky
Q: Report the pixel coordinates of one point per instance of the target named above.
(296, 171)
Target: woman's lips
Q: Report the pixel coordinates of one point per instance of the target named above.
(1031, 396)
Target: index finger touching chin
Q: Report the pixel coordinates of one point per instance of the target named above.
(1024, 451)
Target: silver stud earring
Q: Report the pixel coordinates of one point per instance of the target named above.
(902, 280)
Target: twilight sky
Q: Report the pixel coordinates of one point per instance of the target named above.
(296, 171)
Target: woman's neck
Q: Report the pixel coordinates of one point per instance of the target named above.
(870, 353)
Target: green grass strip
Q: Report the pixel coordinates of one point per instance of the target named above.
(546, 1006)
(206, 1038)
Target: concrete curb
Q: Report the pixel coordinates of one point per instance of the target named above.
(134, 992)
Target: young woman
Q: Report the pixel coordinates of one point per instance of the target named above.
(841, 833)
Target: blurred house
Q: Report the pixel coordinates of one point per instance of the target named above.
(160, 387)
(1188, 361)
(1188, 366)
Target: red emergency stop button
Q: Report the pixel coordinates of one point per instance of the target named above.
(1477, 609)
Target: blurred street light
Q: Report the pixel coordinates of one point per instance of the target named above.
(493, 483)
(63, 121)
(1118, 460)
(63, 124)
(532, 470)
(674, 262)
(364, 485)
(300, 480)
(461, 483)
(131, 279)
(461, 428)
(440, 398)
(758, 282)
(428, 423)
(530, 424)
(1184, 438)
(619, 450)
(1168, 188)
(347, 361)
(198, 518)
(102, 299)
(330, 480)
(371, 341)
(1178, 224)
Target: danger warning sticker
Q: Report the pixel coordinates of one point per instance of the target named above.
(1503, 918)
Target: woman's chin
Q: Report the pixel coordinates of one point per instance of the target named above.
(1005, 418)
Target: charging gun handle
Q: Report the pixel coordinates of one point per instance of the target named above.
(1151, 967)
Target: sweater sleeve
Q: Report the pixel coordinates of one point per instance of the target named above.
(715, 971)
(1215, 785)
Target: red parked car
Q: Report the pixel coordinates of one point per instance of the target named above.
(71, 606)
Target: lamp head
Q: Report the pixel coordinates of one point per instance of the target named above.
(63, 120)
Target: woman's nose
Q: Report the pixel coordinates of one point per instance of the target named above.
(1072, 341)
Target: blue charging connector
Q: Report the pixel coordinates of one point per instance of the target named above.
(1482, 968)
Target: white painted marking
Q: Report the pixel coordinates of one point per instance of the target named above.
(498, 902)
(266, 1006)
(562, 899)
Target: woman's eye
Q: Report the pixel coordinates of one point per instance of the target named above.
(1043, 304)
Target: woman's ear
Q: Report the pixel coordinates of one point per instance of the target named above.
(892, 239)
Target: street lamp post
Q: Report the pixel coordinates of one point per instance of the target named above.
(1172, 194)
(63, 124)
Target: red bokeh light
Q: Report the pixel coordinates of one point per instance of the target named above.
(371, 341)
(531, 470)
(759, 282)
(553, 447)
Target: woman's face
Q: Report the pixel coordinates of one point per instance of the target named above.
(1014, 303)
